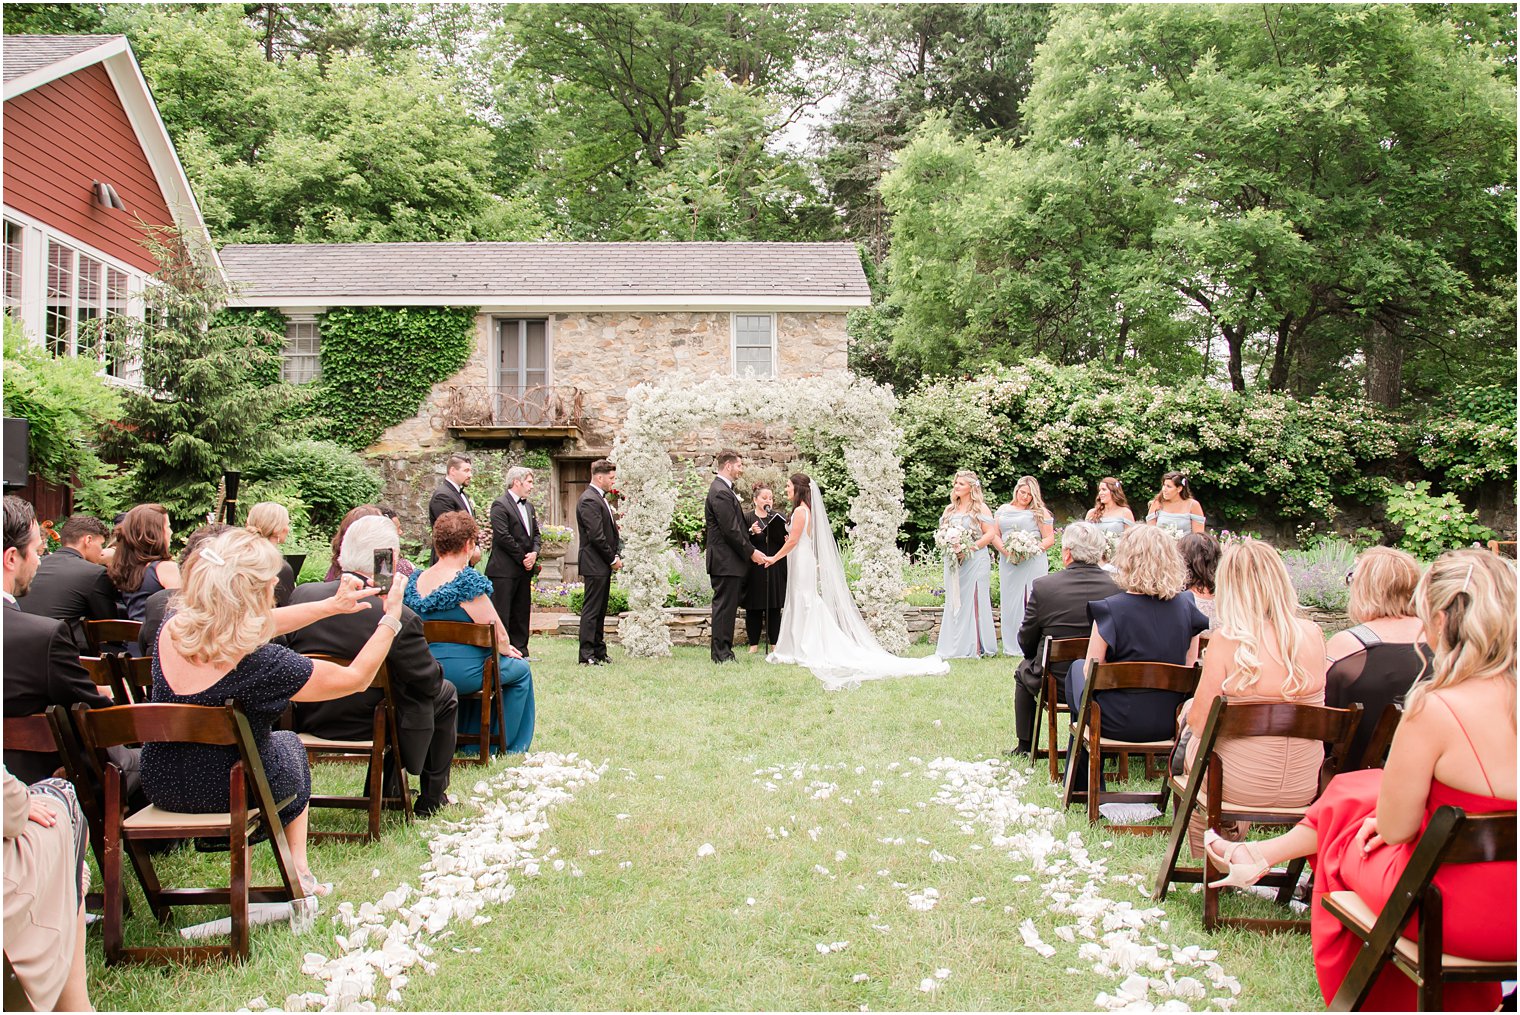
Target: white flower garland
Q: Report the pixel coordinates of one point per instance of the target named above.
(841, 404)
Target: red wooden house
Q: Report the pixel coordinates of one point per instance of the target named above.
(87, 166)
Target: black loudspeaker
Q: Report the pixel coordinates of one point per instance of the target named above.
(17, 433)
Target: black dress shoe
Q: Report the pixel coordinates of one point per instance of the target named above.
(425, 808)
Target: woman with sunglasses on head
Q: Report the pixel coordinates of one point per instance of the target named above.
(1455, 746)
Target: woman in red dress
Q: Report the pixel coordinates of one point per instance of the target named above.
(1455, 745)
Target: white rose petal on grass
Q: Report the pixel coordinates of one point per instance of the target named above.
(706, 849)
(928, 985)
(839, 855)
(860, 978)
(624, 817)
(750, 901)
(942, 974)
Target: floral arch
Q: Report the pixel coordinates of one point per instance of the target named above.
(845, 410)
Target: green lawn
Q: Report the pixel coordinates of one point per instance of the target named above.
(795, 789)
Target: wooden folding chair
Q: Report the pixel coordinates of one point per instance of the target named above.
(107, 632)
(1376, 754)
(1088, 726)
(384, 742)
(1334, 727)
(1451, 837)
(1502, 548)
(1047, 703)
(252, 804)
(133, 675)
(103, 675)
(456, 632)
(52, 733)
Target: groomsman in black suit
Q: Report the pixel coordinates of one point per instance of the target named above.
(601, 545)
(729, 552)
(71, 584)
(450, 495)
(515, 542)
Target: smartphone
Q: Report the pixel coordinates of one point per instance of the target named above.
(385, 569)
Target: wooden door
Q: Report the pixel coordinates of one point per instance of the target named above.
(574, 477)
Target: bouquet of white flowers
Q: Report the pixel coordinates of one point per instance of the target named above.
(954, 542)
(1111, 539)
(1174, 532)
(1021, 545)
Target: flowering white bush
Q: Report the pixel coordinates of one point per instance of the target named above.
(840, 403)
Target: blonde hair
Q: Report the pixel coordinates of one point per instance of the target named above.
(1147, 563)
(978, 499)
(1253, 593)
(225, 609)
(1382, 583)
(1036, 502)
(1475, 637)
(268, 519)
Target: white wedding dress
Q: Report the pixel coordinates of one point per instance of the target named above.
(821, 627)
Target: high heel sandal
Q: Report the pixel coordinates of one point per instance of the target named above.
(1237, 874)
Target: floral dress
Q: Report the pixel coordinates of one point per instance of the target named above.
(464, 665)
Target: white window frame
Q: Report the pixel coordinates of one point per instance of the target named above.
(288, 355)
(733, 344)
(31, 310)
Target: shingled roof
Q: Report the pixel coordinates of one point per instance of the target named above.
(485, 273)
(26, 53)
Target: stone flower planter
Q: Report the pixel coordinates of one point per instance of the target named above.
(551, 558)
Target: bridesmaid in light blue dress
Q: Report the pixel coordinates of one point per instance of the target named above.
(1174, 507)
(1111, 511)
(966, 630)
(1025, 511)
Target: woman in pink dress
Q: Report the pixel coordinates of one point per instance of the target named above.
(1455, 745)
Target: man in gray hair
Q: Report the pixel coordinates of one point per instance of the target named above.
(1057, 608)
(427, 705)
(515, 542)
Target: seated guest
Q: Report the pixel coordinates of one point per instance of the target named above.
(452, 590)
(1150, 621)
(71, 583)
(404, 567)
(41, 662)
(362, 511)
(158, 603)
(1377, 661)
(1200, 555)
(1058, 609)
(141, 565)
(272, 521)
(46, 878)
(1262, 650)
(216, 645)
(426, 704)
(1456, 746)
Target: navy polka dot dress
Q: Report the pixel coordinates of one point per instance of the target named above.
(192, 778)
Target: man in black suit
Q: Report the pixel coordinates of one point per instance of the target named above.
(450, 495)
(601, 545)
(41, 665)
(426, 704)
(71, 584)
(515, 542)
(1057, 608)
(729, 552)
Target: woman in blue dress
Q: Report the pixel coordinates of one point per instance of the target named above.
(452, 590)
(1111, 512)
(967, 630)
(1025, 511)
(1174, 507)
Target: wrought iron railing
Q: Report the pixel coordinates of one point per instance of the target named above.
(481, 405)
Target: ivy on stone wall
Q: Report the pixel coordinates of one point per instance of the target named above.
(379, 363)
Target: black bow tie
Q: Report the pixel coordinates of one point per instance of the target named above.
(522, 500)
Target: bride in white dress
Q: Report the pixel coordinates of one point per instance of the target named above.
(821, 627)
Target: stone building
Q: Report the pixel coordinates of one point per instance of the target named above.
(562, 331)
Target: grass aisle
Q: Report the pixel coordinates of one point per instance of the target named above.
(795, 790)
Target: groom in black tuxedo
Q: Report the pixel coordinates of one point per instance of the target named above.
(729, 552)
(450, 495)
(515, 542)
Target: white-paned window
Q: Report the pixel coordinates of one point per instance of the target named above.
(754, 345)
(13, 234)
(58, 325)
(301, 360)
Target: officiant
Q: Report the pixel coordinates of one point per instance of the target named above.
(764, 588)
